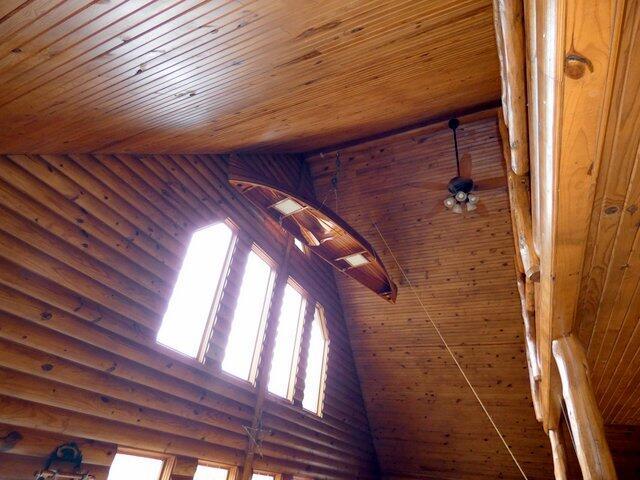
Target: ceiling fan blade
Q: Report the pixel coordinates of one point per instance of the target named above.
(433, 186)
(481, 209)
(490, 183)
(465, 166)
(436, 208)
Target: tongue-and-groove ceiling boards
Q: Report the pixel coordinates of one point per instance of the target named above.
(213, 76)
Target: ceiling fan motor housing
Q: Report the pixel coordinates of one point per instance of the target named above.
(460, 184)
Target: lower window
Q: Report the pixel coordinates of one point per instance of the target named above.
(206, 472)
(126, 466)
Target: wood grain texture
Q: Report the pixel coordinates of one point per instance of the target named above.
(583, 415)
(583, 119)
(607, 319)
(90, 248)
(462, 267)
(575, 66)
(510, 38)
(213, 76)
(559, 455)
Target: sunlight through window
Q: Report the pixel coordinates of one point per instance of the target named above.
(299, 245)
(126, 467)
(204, 472)
(287, 341)
(245, 337)
(189, 309)
(316, 361)
(258, 476)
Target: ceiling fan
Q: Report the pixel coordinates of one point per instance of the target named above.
(463, 189)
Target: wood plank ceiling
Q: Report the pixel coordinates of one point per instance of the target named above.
(462, 268)
(210, 76)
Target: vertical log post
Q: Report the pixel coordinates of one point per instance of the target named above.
(584, 418)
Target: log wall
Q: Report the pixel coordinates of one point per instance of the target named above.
(90, 246)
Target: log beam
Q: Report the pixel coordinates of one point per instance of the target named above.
(584, 418)
(559, 455)
(509, 24)
(520, 204)
(575, 63)
(535, 393)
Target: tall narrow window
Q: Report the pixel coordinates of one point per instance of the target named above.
(205, 472)
(287, 343)
(126, 467)
(316, 364)
(188, 313)
(247, 328)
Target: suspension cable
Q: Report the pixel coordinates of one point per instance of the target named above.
(446, 345)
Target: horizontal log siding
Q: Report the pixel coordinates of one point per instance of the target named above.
(90, 249)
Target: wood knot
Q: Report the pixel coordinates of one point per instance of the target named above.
(575, 65)
(9, 441)
(611, 210)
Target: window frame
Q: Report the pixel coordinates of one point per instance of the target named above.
(319, 311)
(168, 461)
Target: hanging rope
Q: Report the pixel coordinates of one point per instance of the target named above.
(566, 419)
(254, 436)
(334, 181)
(446, 345)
